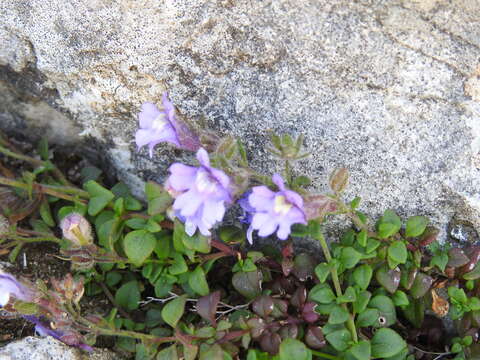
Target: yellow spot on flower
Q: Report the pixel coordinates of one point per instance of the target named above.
(281, 206)
(159, 122)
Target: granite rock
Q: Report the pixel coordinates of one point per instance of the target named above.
(389, 89)
(36, 348)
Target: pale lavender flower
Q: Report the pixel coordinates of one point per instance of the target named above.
(11, 287)
(76, 229)
(274, 211)
(200, 193)
(158, 126)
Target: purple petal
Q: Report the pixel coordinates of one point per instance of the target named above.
(148, 113)
(213, 211)
(182, 176)
(168, 106)
(268, 228)
(259, 219)
(188, 203)
(283, 230)
(203, 158)
(261, 198)
(221, 177)
(278, 180)
(294, 198)
(10, 286)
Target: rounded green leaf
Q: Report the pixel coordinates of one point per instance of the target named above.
(416, 225)
(128, 296)
(368, 318)
(362, 276)
(173, 311)
(198, 281)
(361, 350)
(388, 278)
(421, 285)
(321, 293)
(338, 315)
(386, 343)
(386, 308)
(397, 251)
(339, 339)
(294, 349)
(138, 246)
(350, 257)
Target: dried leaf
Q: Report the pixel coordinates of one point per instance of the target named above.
(339, 180)
(440, 306)
(317, 206)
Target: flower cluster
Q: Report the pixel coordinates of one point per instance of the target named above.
(202, 193)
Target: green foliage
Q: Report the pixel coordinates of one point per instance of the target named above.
(176, 296)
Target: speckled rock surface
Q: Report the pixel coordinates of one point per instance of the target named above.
(389, 89)
(35, 348)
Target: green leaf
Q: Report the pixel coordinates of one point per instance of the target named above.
(128, 296)
(386, 343)
(294, 349)
(361, 350)
(152, 226)
(372, 245)
(397, 251)
(231, 234)
(179, 265)
(99, 197)
(368, 318)
(338, 315)
(321, 293)
(113, 278)
(386, 308)
(416, 225)
(158, 199)
(198, 281)
(339, 339)
(348, 296)
(474, 274)
(362, 238)
(400, 298)
(415, 312)
(439, 260)
(421, 285)
(138, 246)
(173, 311)
(248, 284)
(388, 278)
(46, 214)
(362, 276)
(197, 242)
(42, 148)
(322, 271)
(169, 353)
(350, 257)
(361, 303)
(388, 225)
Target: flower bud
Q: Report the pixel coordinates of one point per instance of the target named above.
(76, 229)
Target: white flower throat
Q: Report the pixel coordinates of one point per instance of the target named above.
(281, 206)
(204, 182)
(159, 122)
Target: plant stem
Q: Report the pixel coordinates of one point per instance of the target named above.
(58, 174)
(57, 191)
(336, 284)
(33, 240)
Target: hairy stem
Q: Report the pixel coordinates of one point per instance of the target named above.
(336, 284)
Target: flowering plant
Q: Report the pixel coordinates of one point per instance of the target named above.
(185, 283)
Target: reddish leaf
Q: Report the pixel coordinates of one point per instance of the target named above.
(263, 306)
(317, 206)
(314, 337)
(207, 306)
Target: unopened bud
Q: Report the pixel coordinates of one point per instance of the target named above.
(77, 229)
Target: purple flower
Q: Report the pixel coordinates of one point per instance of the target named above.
(274, 211)
(9, 286)
(72, 338)
(76, 229)
(158, 126)
(200, 194)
